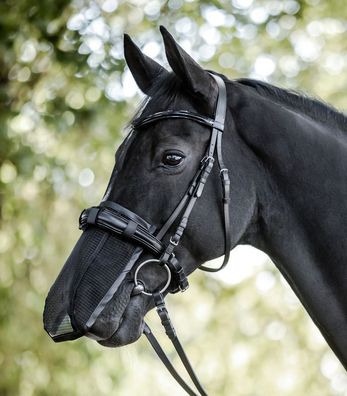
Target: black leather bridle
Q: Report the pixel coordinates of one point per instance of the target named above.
(121, 221)
(198, 182)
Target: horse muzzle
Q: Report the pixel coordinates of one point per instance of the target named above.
(112, 241)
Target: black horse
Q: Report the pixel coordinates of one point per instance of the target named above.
(287, 160)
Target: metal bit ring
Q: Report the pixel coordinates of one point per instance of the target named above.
(167, 284)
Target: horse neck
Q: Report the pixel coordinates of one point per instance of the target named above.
(301, 187)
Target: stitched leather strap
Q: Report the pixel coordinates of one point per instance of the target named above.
(224, 173)
(119, 224)
(167, 114)
(197, 185)
(171, 333)
(186, 205)
(166, 361)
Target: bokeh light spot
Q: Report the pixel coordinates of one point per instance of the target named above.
(75, 100)
(152, 49)
(22, 123)
(275, 330)
(242, 4)
(86, 177)
(259, 15)
(93, 94)
(214, 16)
(28, 51)
(24, 74)
(109, 5)
(8, 172)
(76, 22)
(264, 65)
(265, 281)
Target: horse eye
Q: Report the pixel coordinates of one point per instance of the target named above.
(172, 159)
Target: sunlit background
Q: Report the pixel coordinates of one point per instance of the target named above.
(65, 95)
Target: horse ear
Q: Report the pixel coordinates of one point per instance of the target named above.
(187, 70)
(144, 69)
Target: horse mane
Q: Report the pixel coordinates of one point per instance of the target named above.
(167, 88)
(315, 108)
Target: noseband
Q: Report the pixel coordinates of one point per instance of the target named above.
(119, 220)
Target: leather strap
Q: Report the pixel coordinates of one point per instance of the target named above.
(166, 361)
(118, 224)
(167, 114)
(186, 205)
(196, 187)
(224, 173)
(165, 228)
(125, 212)
(171, 333)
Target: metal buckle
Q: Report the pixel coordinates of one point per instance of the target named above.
(167, 284)
(183, 289)
(207, 159)
(173, 242)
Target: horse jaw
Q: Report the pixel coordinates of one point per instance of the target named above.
(131, 324)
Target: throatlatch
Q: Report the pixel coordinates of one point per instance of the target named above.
(110, 230)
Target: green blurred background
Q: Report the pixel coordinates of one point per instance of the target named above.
(65, 95)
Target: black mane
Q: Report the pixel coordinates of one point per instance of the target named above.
(312, 107)
(166, 89)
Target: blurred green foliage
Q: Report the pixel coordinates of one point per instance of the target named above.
(64, 96)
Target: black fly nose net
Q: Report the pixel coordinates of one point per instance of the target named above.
(112, 240)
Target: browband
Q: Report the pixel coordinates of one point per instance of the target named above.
(164, 115)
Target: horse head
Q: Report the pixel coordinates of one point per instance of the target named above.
(161, 168)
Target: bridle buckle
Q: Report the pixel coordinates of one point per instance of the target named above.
(207, 160)
(173, 242)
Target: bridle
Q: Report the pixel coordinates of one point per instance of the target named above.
(121, 221)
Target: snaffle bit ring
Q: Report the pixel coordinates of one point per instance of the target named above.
(167, 284)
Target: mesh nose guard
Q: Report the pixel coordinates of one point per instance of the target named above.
(113, 238)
